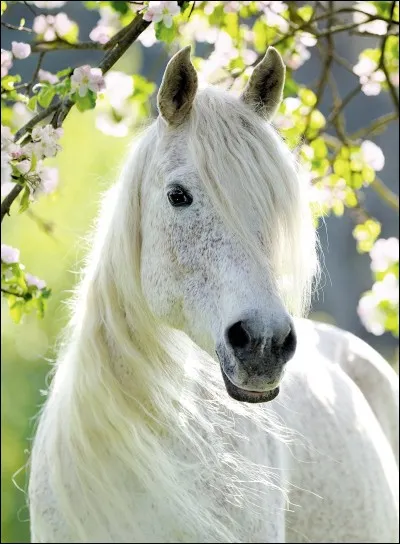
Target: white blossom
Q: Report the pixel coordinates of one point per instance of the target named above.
(34, 281)
(387, 289)
(44, 142)
(6, 171)
(6, 62)
(47, 76)
(370, 77)
(158, 12)
(375, 27)
(118, 87)
(108, 24)
(372, 317)
(273, 14)
(384, 254)
(373, 155)
(20, 115)
(299, 54)
(51, 26)
(20, 50)
(49, 5)
(23, 166)
(48, 180)
(9, 255)
(87, 78)
(148, 37)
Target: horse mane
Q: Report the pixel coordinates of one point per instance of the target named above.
(135, 404)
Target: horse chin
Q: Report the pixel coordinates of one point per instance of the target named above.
(244, 395)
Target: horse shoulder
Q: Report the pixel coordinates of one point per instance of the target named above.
(342, 461)
(372, 374)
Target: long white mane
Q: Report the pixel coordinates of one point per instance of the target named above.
(137, 404)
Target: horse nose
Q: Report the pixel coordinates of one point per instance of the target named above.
(261, 348)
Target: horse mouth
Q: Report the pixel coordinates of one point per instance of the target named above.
(244, 395)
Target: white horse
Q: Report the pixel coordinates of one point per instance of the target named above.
(202, 250)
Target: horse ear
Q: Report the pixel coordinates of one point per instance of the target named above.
(264, 89)
(178, 88)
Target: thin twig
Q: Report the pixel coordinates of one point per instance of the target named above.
(11, 293)
(336, 111)
(15, 27)
(385, 193)
(35, 73)
(30, 8)
(375, 127)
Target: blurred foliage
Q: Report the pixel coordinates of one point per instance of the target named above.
(27, 347)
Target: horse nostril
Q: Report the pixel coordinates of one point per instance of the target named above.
(238, 337)
(289, 344)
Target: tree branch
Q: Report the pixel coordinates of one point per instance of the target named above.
(62, 45)
(61, 110)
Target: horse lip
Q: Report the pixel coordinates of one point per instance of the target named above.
(245, 395)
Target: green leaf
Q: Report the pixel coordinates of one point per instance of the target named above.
(305, 12)
(65, 72)
(32, 103)
(16, 310)
(46, 95)
(72, 36)
(165, 34)
(24, 204)
(121, 7)
(83, 103)
(8, 82)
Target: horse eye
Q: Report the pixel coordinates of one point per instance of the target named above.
(177, 197)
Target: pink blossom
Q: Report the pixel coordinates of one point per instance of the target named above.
(34, 281)
(20, 50)
(47, 76)
(9, 255)
(6, 62)
(86, 78)
(51, 26)
(162, 12)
